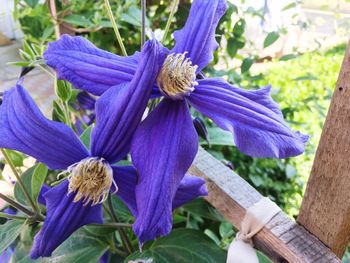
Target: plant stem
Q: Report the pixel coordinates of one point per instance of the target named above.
(143, 22)
(4, 215)
(123, 235)
(45, 70)
(116, 225)
(66, 112)
(115, 27)
(19, 181)
(171, 16)
(16, 205)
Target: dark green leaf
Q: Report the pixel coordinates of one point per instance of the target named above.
(16, 157)
(38, 178)
(271, 38)
(306, 77)
(122, 210)
(202, 208)
(182, 245)
(239, 27)
(9, 232)
(27, 181)
(81, 247)
(246, 64)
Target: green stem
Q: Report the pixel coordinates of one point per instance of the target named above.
(115, 27)
(171, 16)
(4, 215)
(45, 70)
(19, 181)
(143, 22)
(123, 235)
(16, 205)
(66, 113)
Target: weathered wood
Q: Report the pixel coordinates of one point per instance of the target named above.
(282, 239)
(325, 209)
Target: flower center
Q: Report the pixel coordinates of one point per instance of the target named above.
(177, 78)
(91, 180)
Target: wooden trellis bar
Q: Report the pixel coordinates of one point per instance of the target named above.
(283, 240)
(324, 221)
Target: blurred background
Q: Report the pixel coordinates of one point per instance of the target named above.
(295, 46)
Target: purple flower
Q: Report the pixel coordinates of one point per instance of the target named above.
(91, 174)
(166, 142)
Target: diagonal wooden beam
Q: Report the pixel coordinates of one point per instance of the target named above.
(325, 209)
(283, 240)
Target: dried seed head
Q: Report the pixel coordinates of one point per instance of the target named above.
(177, 78)
(91, 180)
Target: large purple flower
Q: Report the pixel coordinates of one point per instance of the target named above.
(165, 144)
(91, 174)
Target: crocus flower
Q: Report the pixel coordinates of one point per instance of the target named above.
(166, 143)
(92, 174)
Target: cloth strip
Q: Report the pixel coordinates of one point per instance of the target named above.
(257, 216)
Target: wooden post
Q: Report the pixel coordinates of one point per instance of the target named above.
(282, 239)
(325, 209)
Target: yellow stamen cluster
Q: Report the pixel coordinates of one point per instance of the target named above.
(90, 180)
(177, 77)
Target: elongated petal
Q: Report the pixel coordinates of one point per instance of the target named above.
(63, 217)
(198, 35)
(163, 149)
(120, 109)
(252, 116)
(190, 188)
(24, 128)
(78, 61)
(126, 178)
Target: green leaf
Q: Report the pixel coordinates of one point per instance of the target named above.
(85, 136)
(81, 247)
(308, 76)
(233, 45)
(182, 245)
(202, 208)
(16, 158)
(288, 57)
(77, 20)
(27, 181)
(262, 258)
(289, 6)
(9, 232)
(246, 64)
(63, 90)
(133, 16)
(239, 27)
(271, 38)
(218, 136)
(122, 210)
(38, 178)
(31, 3)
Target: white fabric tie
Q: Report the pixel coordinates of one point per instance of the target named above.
(257, 216)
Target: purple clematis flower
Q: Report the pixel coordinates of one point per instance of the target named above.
(91, 174)
(165, 144)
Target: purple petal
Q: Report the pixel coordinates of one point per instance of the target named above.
(78, 61)
(126, 178)
(119, 110)
(163, 149)
(86, 101)
(63, 217)
(190, 188)
(41, 199)
(198, 35)
(252, 116)
(24, 128)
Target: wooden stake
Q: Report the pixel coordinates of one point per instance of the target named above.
(281, 239)
(325, 209)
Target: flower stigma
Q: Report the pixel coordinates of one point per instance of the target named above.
(177, 78)
(91, 180)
